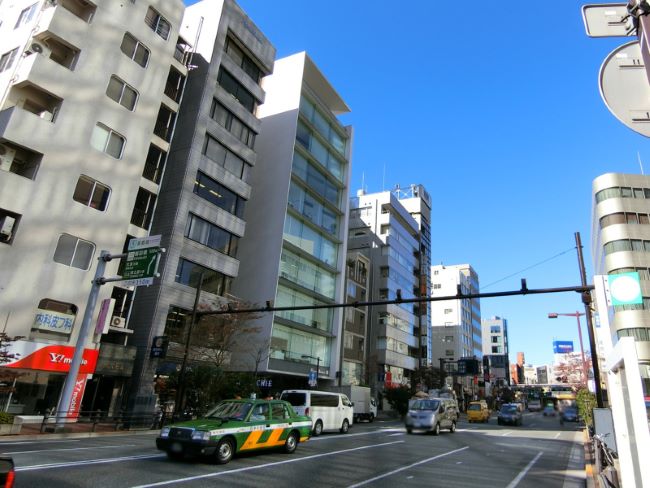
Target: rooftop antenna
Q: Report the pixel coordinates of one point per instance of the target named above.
(363, 179)
(383, 179)
(638, 156)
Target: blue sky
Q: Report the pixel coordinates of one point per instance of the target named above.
(496, 110)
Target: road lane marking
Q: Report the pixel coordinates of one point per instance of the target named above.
(557, 435)
(250, 468)
(390, 473)
(519, 477)
(71, 449)
(50, 441)
(506, 433)
(380, 431)
(37, 467)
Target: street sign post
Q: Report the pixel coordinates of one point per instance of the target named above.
(142, 260)
(625, 89)
(607, 20)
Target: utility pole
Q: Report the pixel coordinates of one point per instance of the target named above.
(180, 389)
(586, 299)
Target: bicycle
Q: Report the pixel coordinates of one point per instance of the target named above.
(605, 462)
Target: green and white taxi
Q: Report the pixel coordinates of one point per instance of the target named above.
(235, 426)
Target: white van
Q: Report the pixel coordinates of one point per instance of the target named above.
(328, 410)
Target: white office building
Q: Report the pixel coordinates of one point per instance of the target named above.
(620, 244)
(86, 109)
(294, 250)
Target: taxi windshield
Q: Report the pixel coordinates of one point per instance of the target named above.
(230, 410)
(474, 406)
(425, 405)
(508, 409)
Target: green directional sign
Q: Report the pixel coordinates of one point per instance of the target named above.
(141, 265)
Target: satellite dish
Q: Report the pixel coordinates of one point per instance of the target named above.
(625, 89)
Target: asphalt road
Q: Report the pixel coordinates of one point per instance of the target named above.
(541, 453)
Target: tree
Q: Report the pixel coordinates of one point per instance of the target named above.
(398, 398)
(586, 402)
(7, 375)
(427, 377)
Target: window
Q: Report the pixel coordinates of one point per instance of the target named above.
(447, 310)
(145, 203)
(177, 318)
(26, 15)
(7, 59)
(73, 251)
(189, 273)
(236, 89)
(225, 158)
(232, 124)
(242, 60)
(449, 352)
(122, 93)
(219, 195)
(210, 235)
(158, 23)
(91, 193)
(107, 140)
(135, 50)
(154, 164)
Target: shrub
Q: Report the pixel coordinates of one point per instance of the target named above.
(6, 418)
(398, 398)
(586, 402)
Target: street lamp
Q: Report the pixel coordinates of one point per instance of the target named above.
(307, 356)
(585, 375)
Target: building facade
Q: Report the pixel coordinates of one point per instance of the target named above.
(384, 231)
(88, 103)
(620, 244)
(206, 187)
(354, 352)
(495, 349)
(294, 250)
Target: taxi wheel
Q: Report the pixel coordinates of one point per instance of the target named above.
(452, 429)
(225, 451)
(409, 431)
(318, 428)
(175, 456)
(345, 427)
(291, 443)
(436, 430)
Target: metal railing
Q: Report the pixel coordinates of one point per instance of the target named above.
(98, 421)
(606, 462)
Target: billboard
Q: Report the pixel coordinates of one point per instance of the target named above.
(562, 347)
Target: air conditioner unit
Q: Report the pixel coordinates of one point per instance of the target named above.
(6, 227)
(7, 155)
(118, 322)
(39, 47)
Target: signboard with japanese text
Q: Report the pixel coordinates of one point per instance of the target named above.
(49, 357)
(51, 321)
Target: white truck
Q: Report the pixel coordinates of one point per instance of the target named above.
(364, 405)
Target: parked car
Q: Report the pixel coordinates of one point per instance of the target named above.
(549, 411)
(478, 411)
(234, 426)
(509, 414)
(431, 415)
(569, 414)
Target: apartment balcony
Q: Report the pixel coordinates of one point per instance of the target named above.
(68, 20)
(356, 327)
(353, 354)
(26, 125)
(393, 358)
(19, 160)
(43, 75)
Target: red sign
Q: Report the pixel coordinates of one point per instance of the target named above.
(388, 379)
(50, 357)
(77, 395)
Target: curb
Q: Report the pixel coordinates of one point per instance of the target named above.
(590, 468)
(7, 439)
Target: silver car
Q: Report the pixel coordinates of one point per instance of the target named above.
(431, 415)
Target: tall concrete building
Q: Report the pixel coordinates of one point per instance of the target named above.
(495, 350)
(294, 249)
(620, 244)
(354, 352)
(382, 229)
(455, 324)
(89, 94)
(207, 184)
